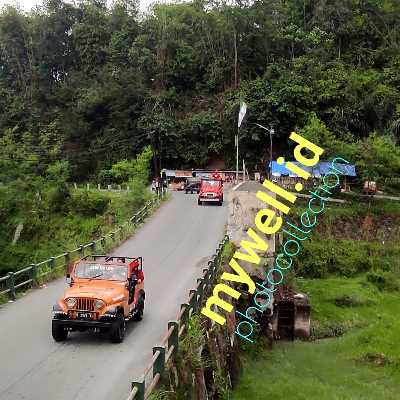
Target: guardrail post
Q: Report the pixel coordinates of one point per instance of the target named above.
(52, 263)
(206, 274)
(34, 274)
(185, 316)
(103, 242)
(140, 389)
(93, 247)
(174, 338)
(217, 255)
(193, 301)
(132, 220)
(159, 364)
(212, 269)
(81, 251)
(200, 289)
(11, 285)
(67, 260)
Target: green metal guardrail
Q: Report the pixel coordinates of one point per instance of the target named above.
(31, 275)
(169, 345)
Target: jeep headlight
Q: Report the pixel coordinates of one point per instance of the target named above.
(99, 304)
(71, 302)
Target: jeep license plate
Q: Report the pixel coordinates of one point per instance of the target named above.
(84, 315)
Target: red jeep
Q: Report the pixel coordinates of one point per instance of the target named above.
(211, 191)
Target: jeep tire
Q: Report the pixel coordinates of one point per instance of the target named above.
(138, 316)
(117, 330)
(199, 202)
(58, 332)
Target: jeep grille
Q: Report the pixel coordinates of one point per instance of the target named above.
(85, 304)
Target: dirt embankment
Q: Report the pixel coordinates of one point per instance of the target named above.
(369, 228)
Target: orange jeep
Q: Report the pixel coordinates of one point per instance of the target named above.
(104, 293)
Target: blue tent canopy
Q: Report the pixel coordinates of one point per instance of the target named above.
(317, 171)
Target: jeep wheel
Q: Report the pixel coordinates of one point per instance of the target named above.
(199, 202)
(117, 330)
(140, 309)
(58, 332)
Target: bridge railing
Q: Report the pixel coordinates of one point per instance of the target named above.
(34, 274)
(168, 347)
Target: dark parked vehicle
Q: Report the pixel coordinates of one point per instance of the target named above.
(192, 186)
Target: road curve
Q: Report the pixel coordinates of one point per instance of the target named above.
(175, 244)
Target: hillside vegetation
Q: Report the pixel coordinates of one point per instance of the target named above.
(42, 216)
(98, 84)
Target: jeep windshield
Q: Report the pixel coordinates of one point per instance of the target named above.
(211, 183)
(101, 272)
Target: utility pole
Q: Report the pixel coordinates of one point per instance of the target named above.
(271, 132)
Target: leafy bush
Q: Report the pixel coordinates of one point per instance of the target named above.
(321, 258)
(126, 170)
(328, 329)
(350, 300)
(57, 197)
(384, 280)
(88, 204)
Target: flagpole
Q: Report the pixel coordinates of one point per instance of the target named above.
(237, 156)
(242, 114)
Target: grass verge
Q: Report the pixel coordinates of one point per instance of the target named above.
(358, 359)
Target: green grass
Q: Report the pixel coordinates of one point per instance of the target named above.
(363, 363)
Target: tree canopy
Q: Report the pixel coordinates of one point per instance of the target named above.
(93, 85)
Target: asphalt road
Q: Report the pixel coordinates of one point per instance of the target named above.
(175, 243)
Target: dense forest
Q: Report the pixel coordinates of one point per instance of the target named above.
(85, 86)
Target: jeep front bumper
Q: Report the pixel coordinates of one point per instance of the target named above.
(210, 199)
(79, 323)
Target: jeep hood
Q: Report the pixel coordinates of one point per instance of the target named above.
(108, 291)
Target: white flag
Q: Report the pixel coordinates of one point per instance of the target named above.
(242, 113)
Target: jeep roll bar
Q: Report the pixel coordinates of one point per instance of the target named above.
(121, 259)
